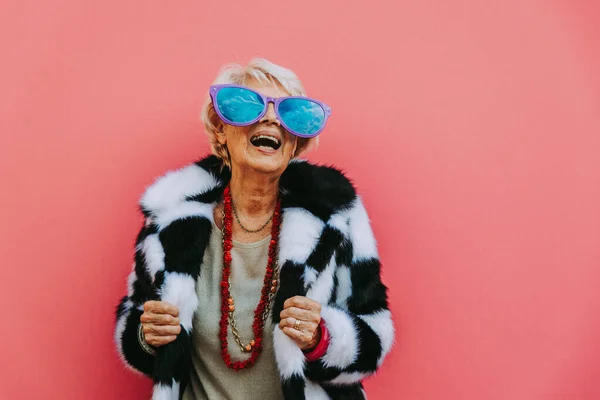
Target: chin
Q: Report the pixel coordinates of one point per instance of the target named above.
(272, 162)
(268, 165)
(265, 160)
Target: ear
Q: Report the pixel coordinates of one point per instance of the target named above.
(311, 145)
(221, 137)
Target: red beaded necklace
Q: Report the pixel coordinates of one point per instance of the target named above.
(268, 290)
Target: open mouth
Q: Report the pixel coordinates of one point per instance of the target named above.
(268, 141)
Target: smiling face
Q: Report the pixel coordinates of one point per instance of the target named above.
(264, 146)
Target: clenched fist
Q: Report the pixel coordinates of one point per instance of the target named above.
(160, 323)
(300, 321)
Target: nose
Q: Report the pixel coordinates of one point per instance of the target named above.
(270, 117)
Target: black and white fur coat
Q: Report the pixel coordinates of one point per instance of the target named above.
(327, 252)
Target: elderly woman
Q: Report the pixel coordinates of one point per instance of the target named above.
(256, 275)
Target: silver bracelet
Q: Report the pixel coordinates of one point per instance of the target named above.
(145, 346)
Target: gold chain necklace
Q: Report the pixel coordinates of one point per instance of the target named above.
(237, 218)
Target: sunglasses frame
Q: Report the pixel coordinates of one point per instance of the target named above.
(214, 90)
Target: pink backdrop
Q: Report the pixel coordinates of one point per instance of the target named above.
(472, 128)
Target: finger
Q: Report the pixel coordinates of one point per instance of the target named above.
(302, 302)
(161, 330)
(162, 307)
(146, 318)
(165, 330)
(162, 319)
(159, 319)
(301, 338)
(296, 301)
(287, 322)
(150, 304)
(299, 313)
(158, 341)
(303, 326)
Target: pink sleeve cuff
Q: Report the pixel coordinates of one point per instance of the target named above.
(322, 346)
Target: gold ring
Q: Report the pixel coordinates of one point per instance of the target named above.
(297, 324)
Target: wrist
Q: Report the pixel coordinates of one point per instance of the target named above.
(321, 346)
(315, 341)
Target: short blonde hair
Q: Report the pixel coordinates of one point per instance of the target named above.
(260, 70)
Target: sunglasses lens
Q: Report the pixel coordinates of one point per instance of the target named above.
(239, 105)
(303, 117)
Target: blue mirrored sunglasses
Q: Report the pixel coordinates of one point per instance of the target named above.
(240, 106)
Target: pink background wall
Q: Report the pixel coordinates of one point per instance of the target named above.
(471, 127)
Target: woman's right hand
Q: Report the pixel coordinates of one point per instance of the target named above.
(160, 323)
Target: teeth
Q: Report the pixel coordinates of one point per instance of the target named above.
(273, 139)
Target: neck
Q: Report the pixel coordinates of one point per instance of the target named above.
(254, 193)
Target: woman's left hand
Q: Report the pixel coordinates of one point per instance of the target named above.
(307, 312)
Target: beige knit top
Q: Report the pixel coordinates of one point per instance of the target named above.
(211, 379)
